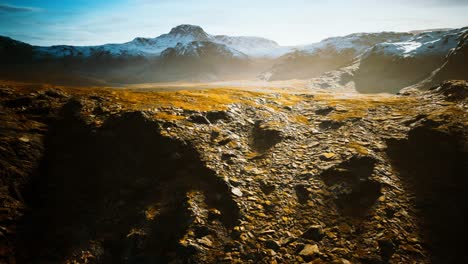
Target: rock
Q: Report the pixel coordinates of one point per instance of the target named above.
(214, 214)
(265, 137)
(24, 139)
(19, 102)
(272, 244)
(343, 261)
(324, 111)
(330, 124)
(387, 248)
(309, 250)
(266, 187)
(327, 156)
(205, 241)
(351, 184)
(314, 232)
(236, 191)
(72, 108)
(453, 90)
(228, 157)
(55, 93)
(199, 119)
(302, 193)
(215, 116)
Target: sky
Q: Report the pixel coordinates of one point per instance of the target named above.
(292, 22)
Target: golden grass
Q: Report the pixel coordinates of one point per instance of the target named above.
(358, 106)
(348, 105)
(300, 119)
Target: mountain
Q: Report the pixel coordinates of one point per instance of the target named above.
(202, 49)
(165, 58)
(196, 61)
(183, 34)
(454, 67)
(329, 54)
(388, 67)
(370, 62)
(253, 46)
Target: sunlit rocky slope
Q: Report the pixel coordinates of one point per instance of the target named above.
(232, 175)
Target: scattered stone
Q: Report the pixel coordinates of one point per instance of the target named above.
(72, 109)
(199, 119)
(314, 232)
(19, 102)
(226, 192)
(324, 111)
(265, 137)
(54, 93)
(267, 187)
(453, 90)
(309, 250)
(215, 116)
(24, 139)
(236, 191)
(387, 248)
(327, 156)
(302, 193)
(330, 124)
(350, 182)
(205, 241)
(272, 244)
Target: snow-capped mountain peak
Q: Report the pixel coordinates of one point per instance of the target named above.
(189, 31)
(201, 49)
(183, 34)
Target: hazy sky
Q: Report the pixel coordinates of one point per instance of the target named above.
(291, 22)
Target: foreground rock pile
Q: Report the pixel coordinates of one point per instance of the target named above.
(232, 176)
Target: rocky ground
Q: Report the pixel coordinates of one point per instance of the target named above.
(232, 176)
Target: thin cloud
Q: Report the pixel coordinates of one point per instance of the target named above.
(4, 8)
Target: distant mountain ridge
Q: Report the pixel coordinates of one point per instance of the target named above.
(391, 66)
(329, 54)
(183, 34)
(382, 61)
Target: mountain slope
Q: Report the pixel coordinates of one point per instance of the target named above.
(391, 66)
(186, 50)
(183, 34)
(232, 176)
(454, 67)
(332, 53)
(253, 46)
(196, 61)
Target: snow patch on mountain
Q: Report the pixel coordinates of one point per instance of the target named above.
(437, 43)
(253, 46)
(202, 48)
(183, 34)
(358, 42)
(146, 47)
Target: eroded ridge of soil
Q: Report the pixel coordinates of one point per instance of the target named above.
(232, 176)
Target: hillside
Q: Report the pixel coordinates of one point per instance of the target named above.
(329, 54)
(391, 66)
(232, 175)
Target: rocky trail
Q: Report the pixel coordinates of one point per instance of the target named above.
(232, 176)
